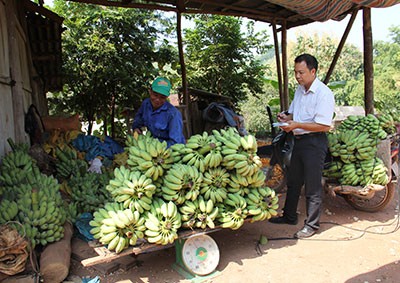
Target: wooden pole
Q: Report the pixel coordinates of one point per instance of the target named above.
(186, 100)
(285, 68)
(368, 62)
(16, 73)
(278, 64)
(340, 47)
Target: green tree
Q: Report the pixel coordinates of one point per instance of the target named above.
(349, 65)
(221, 59)
(109, 56)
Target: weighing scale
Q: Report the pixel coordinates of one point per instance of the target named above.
(196, 256)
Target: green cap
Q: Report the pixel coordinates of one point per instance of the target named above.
(161, 85)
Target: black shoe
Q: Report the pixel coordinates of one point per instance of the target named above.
(282, 220)
(305, 232)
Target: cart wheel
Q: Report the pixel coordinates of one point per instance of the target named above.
(275, 178)
(379, 200)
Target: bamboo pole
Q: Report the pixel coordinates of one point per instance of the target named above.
(278, 62)
(368, 62)
(285, 68)
(340, 47)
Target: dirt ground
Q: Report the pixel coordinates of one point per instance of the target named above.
(351, 246)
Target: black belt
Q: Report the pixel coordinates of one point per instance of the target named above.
(313, 134)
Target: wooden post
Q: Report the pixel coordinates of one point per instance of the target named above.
(185, 99)
(368, 62)
(340, 47)
(285, 68)
(278, 64)
(12, 8)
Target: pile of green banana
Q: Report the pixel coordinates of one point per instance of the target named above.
(239, 152)
(182, 182)
(88, 191)
(387, 123)
(15, 168)
(69, 165)
(202, 151)
(262, 203)
(117, 227)
(367, 124)
(364, 172)
(353, 147)
(233, 211)
(32, 199)
(132, 189)
(198, 213)
(148, 155)
(204, 183)
(162, 222)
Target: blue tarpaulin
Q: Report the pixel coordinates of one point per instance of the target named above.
(94, 146)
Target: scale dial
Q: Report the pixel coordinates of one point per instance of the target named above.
(200, 254)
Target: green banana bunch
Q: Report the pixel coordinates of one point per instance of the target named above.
(198, 213)
(162, 223)
(182, 182)
(177, 152)
(207, 147)
(387, 122)
(16, 167)
(132, 188)
(117, 227)
(8, 210)
(149, 156)
(215, 183)
(232, 212)
(69, 164)
(262, 203)
(369, 123)
(89, 191)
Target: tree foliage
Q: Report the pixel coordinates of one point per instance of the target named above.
(108, 58)
(221, 59)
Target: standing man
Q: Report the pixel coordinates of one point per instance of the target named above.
(309, 118)
(160, 117)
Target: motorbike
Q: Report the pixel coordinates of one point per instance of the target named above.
(364, 199)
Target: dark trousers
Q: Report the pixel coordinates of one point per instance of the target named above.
(305, 168)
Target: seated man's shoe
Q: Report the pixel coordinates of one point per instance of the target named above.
(305, 232)
(282, 220)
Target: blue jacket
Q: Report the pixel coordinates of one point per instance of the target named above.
(165, 123)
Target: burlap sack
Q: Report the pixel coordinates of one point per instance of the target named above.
(13, 251)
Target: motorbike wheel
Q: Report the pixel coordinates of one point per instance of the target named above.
(380, 199)
(275, 178)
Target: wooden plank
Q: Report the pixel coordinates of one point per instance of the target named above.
(105, 255)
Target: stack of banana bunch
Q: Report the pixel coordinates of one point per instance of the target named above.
(182, 182)
(232, 212)
(364, 172)
(117, 227)
(198, 213)
(215, 183)
(369, 123)
(132, 188)
(40, 209)
(244, 184)
(89, 191)
(162, 222)
(202, 151)
(387, 123)
(262, 203)
(239, 152)
(354, 146)
(15, 167)
(148, 155)
(69, 164)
